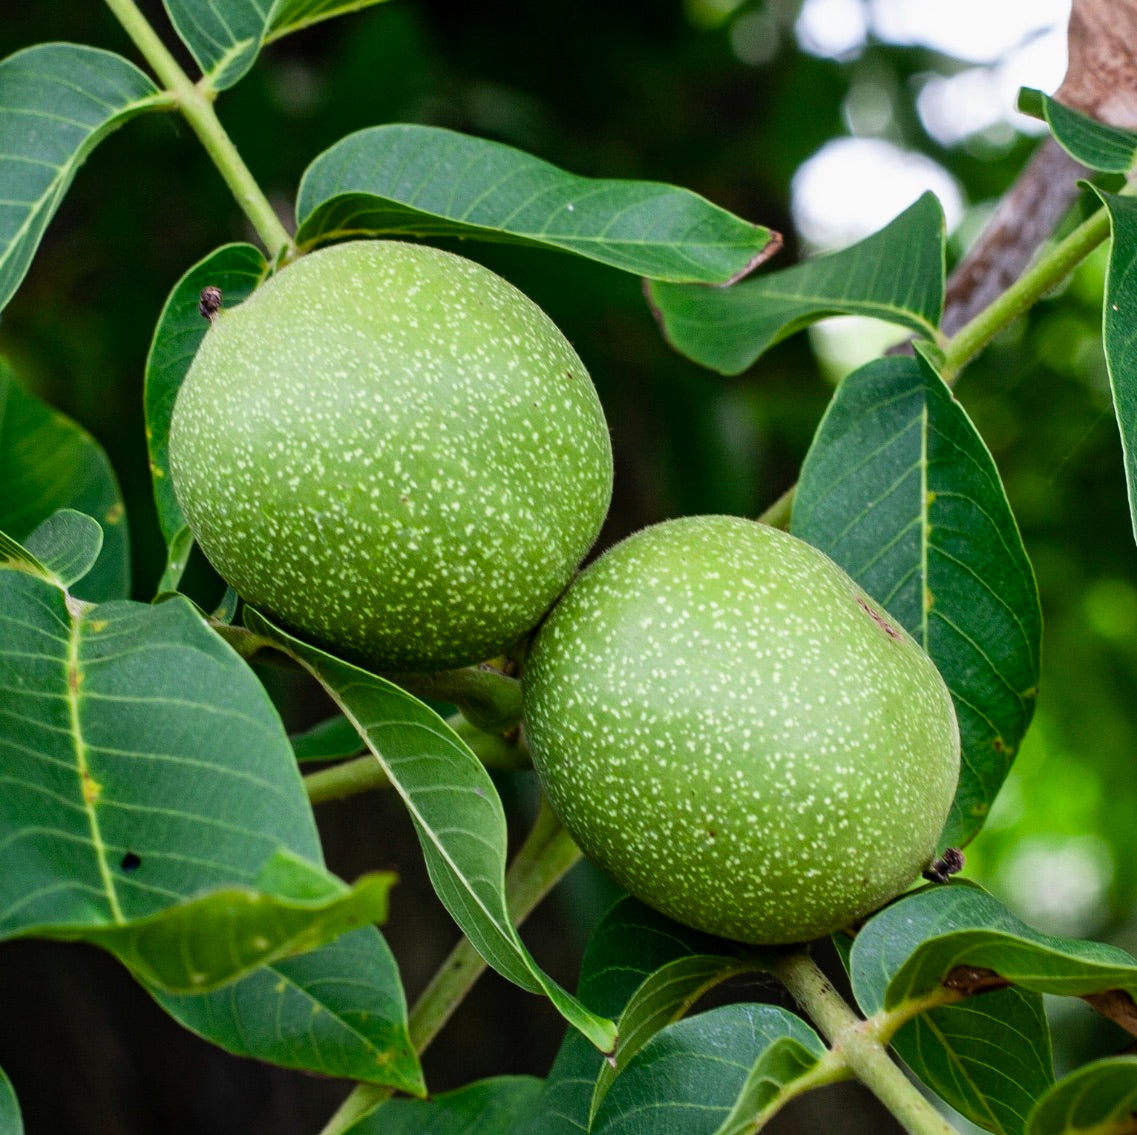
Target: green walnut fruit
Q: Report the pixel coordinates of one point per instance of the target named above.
(393, 451)
(733, 730)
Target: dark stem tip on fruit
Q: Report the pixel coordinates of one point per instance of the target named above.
(948, 864)
(209, 302)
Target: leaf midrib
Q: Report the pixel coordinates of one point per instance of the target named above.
(72, 680)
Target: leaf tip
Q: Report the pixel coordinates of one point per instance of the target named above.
(769, 250)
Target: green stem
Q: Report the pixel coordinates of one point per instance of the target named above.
(1049, 271)
(778, 514)
(197, 109)
(490, 699)
(544, 859)
(857, 1041)
(365, 773)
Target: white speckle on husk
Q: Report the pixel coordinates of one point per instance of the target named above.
(394, 451)
(733, 730)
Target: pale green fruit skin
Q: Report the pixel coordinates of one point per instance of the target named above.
(395, 452)
(733, 730)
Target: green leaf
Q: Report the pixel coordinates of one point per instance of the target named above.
(717, 1073)
(663, 997)
(1093, 143)
(1120, 334)
(205, 942)
(48, 463)
(1097, 1099)
(939, 945)
(236, 269)
(896, 274)
(67, 544)
(488, 1107)
(405, 180)
(142, 764)
(225, 39)
(57, 102)
(907, 952)
(989, 1057)
(455, 809)
(645, 971)
(899, 489)
(330, 740)
(10, 1121)
(336, 1011)
(14, 555)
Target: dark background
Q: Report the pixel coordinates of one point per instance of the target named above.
(636, 89)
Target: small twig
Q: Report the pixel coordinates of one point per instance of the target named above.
(1049, 271)
(1023, 220)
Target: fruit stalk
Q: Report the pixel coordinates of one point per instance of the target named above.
(857, 1042)
(543, 860)
(197, 109)
(489, 699)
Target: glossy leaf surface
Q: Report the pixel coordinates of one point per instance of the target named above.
(144, 767)
(14, 555)
(407, 180)
(455, 809)
(236, 269)
(48, 463)
(1093, 143)
(900, 490)
(989, 1056)
(896, 275)
(336, 1011)
(225, 39)
(142, 762)
(906, 952)
(57, 102)
(644, 971)
(1096, 1099)
(712, 1074)
(217, 937)
(487, 1107)
(329, 740)
(67, 544)
(131, 824)
(1121, 332)
(10, 1121)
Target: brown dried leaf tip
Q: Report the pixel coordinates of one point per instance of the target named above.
(1117, 1005)
(948, 864)
(209, 303)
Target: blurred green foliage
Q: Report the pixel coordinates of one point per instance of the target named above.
(655, 90)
